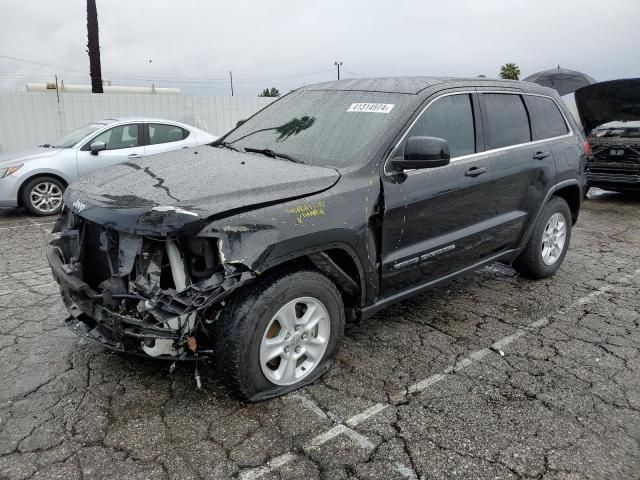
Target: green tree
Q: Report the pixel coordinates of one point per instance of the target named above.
(273, 92)
(510, 71)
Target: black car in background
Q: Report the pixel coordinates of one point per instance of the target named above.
(331, 203)
(610, 115)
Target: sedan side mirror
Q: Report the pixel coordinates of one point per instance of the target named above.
(97, 146)
(423, 152)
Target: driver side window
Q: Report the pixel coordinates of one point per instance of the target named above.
(451, 118)
(116, 138)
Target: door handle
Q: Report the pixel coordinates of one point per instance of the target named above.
(133, 156)
(541, 155)
(475, 171)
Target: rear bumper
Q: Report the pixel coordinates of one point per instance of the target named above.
(620, 181)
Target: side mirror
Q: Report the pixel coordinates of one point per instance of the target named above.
(97, 146)
(423, 152)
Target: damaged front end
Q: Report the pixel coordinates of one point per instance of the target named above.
(142, 293)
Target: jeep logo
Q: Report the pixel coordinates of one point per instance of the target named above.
(79, 206)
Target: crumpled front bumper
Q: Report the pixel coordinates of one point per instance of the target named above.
(96, 323)
(171, 323)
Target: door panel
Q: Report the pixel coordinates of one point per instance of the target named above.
(523, 168)
(522, 181)
(165, 138)
(124, 143)
(435, 219)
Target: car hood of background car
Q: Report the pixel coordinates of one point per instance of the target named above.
(11, 158)
(603, 102)
(160, 194)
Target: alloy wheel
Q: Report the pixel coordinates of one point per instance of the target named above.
(295, 341)
(46, 197)
(554, 238)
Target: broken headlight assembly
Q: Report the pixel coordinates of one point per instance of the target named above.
(147, 295)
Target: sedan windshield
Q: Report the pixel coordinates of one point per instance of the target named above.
(70, 139)
(324, 128)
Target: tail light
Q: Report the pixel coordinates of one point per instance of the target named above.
(586, 148)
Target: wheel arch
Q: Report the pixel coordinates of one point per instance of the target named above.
(569, 190)
(570, 194)
(338, 261)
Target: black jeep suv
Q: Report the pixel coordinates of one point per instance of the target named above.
(610, 115)
(331, 203)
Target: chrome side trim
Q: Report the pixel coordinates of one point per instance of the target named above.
(486, 152)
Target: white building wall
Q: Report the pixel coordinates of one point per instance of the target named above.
(32, 118)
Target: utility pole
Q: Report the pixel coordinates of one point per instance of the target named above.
(337, 64)
(93, 47)
(231, 79)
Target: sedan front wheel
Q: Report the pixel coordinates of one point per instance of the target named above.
(43, 196)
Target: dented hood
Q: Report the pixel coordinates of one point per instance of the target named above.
(616, 100)
(165, 193)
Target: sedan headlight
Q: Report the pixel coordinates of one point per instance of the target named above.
(5, 172)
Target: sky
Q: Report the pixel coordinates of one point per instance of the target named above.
(193, 44)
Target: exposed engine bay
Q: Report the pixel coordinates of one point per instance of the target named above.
(142, 294)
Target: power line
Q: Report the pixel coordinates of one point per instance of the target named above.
(167, 78)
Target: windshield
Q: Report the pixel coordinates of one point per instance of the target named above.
(323, 128)
(618, 129)
(70, 139)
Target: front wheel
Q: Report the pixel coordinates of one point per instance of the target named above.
(43, 196)
(279, 335)
(548, 245)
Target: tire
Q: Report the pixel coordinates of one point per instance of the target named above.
(47, 189)
(586, 190)
(252, 318)
(531, 262)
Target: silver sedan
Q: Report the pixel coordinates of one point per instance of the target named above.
(36, 178)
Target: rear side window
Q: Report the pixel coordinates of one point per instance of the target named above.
(451, 118)
(546, 118)
(507, 120)
(161, 133)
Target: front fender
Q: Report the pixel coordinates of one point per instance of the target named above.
(266, 237)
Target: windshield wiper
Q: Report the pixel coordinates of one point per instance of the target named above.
(46, 145)
(270, 153)
(226, 145)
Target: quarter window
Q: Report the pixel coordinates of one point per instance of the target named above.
(546, 118)
(507, 120)
(116, 138)
(451, 118)
(161, 133)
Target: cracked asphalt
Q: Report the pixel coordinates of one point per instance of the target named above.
(492, 376)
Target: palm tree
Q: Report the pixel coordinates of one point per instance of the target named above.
(510, 71)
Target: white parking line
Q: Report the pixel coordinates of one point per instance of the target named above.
(368, 413)
(310, 405)
(364, 442)
(273, 464)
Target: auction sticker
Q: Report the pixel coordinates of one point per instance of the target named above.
(371, 107)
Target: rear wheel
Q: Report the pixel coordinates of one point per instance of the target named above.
(279, 335)
(43, 196)
(548, 245)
